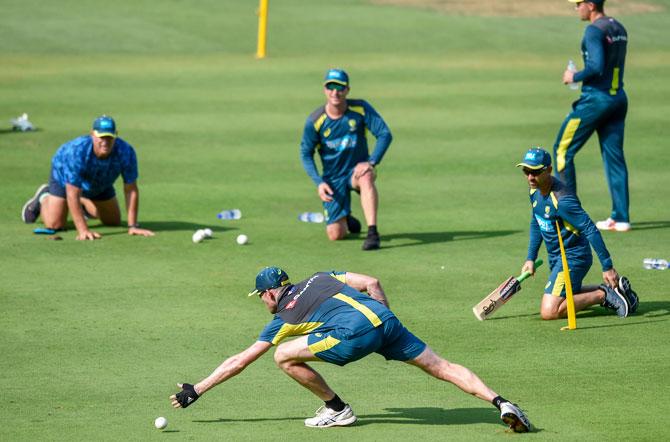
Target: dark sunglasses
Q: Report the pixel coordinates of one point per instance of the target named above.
(534, 172)
(335, 87)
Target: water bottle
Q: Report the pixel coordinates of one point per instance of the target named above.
(311, 217)
(229, 214)
(572, 68)
(655, 264)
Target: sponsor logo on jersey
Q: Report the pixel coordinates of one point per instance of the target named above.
(291, 304)
(352, 125)
(545, 225)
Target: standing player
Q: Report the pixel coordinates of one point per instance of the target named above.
(551, 201)
(338, 324)
(338, 130)
(602, 107)
(82, 178)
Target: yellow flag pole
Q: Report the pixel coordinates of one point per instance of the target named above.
(572, 318)
(262, 28)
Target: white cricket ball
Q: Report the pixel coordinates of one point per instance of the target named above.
(160, 423)
(208, 232)
(242, 239)
(198, 236)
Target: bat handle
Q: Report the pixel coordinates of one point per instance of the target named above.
(525, 275)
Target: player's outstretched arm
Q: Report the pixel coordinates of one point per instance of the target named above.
(132, 195)
(369, 284)
(229, 368)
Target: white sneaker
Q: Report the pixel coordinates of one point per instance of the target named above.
(514, 418)
(610, 224)
(325, 417)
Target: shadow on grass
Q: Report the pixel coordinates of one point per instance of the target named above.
(158, 226)
(12, 131)
(431, 416)
(403, 416)
(649, 225)
(420, 238)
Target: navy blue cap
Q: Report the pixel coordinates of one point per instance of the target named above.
(536, 158)
(337, 76)
(270, 278)
(104, 126)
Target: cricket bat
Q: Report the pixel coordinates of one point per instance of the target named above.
(497, 298)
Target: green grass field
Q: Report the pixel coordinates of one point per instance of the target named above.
(95, 335)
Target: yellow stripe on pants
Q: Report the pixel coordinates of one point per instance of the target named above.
(566, 139)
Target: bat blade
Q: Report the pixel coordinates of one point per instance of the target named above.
(497, 298)
(491, 303)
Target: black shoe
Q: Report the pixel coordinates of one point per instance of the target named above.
(615, 301)
(353, 225)
(31, 209)
(371, 242)
(627, 290)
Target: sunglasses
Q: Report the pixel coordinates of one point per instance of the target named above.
(335, 87)
(533, 172)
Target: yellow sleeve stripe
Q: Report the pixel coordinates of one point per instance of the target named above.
(566, 139)
(323, 345)
(319, 122)
(374, 319)
(570, 227)
(358, 109)
(287, 330)
(341, 278)
(554, 200)
(615, 81)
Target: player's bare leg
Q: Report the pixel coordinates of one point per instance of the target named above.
(470, 383)
(54, 212)
(107, 211)
(458, 375)
(291, 357)
(365, 184)
(337, 230)
(556, 307)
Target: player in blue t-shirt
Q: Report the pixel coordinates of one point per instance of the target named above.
(81, 182)
(334, 321)
(338, 130)
(601, 108)
(551, 202)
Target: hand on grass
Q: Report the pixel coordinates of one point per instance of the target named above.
(87, 234)
(140, 232)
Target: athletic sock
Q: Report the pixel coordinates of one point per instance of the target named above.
(498, 400)
(335, 404)
(372, 230)
(41, 198)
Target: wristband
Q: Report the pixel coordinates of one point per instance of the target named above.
(134, 226)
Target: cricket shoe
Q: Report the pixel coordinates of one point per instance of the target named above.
(615, 301)
(625, 288)
(31, 209)
(371, 242)
(353, 225)
(610, 224)
(514, 418)
(325, 417)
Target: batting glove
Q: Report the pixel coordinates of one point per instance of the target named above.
(187, 395)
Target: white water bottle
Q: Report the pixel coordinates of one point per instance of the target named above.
(572, 68)
(655, 264)
(230, 214)
(311, 217)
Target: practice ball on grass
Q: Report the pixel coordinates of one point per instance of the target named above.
(242, 239)
(198, 236)
(208, 232)
(160, 423)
